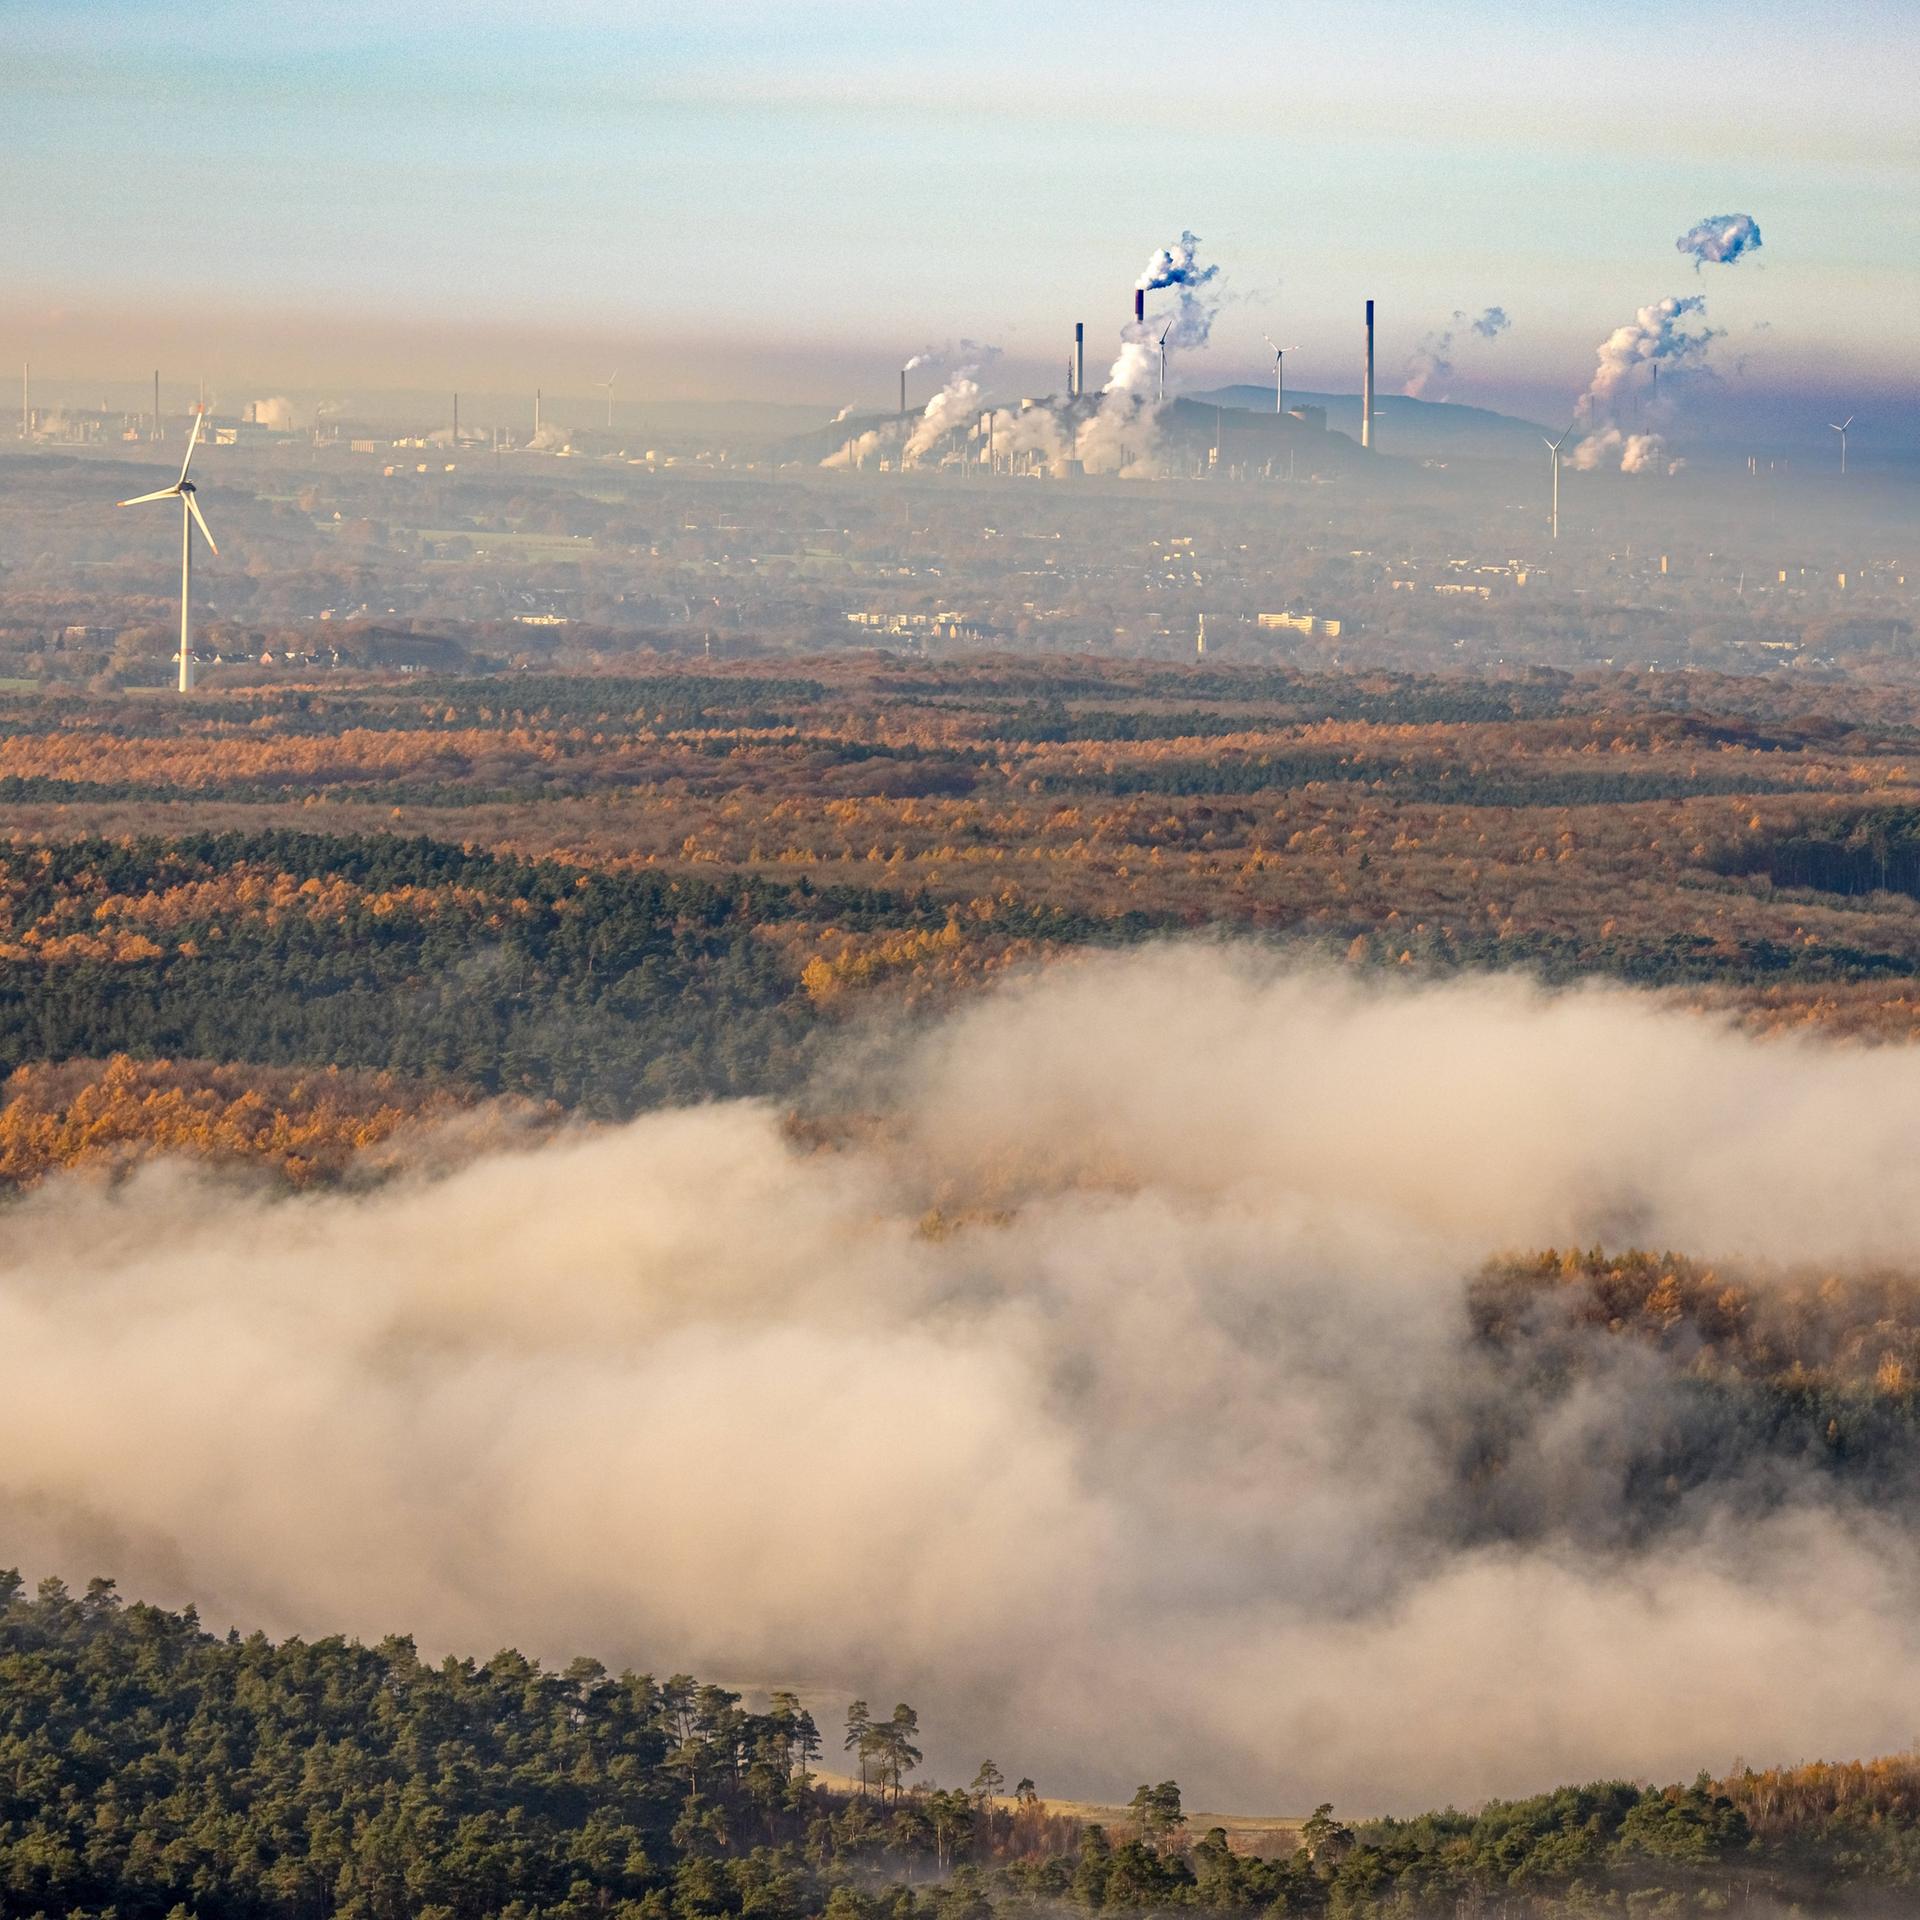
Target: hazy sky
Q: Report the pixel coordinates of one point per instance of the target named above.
(778, 199)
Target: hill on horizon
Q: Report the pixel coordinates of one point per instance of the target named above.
(1413, 429)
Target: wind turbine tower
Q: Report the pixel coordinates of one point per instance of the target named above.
(190, 517)
(1553, 454)
(1279, 374)
(1164, 331)
(607, 385)
(1840, 427)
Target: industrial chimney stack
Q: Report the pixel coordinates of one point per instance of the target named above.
(1139, 306)
(1079, 358)
(1366, 398)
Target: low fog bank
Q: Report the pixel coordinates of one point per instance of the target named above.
(1103, 1399)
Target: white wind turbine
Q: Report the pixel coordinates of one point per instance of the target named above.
(607, 386)
(1553, 453)
(190, 516)
(1279, 373)
(1840, 427)
(1164, 331)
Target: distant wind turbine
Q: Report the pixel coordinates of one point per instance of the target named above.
(1279, 373)
(1167, 329)
(1840, 427)
(607, 383)
(1553, 453)
(190, 517)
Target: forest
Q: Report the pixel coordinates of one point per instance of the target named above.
(601, 891)
(153, 1770)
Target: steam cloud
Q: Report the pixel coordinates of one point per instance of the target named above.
(1430, 361)
(1178, 267)
(1628, 388)
(954, 406)
(1721, 237)
(1129, 1462)
(276, 413)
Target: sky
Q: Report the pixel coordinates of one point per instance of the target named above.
(775, 200)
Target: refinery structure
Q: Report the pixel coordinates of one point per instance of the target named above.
(1126, 424)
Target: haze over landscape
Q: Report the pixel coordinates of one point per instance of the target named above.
(1026, 883)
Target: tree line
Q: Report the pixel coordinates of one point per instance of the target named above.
(152, 1770)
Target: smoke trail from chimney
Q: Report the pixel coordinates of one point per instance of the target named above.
(1178, 267)
(1627, 379)
(1720, 239)
(1431, 361)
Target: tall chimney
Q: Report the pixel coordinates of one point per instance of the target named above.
(456, 422)
(1366, 399)
(1139, 306)
(536, 413)
(903, 389)
(1079, 358)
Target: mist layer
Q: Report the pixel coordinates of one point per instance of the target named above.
(1099, 1391)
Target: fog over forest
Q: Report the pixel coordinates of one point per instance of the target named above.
(1106, 1387)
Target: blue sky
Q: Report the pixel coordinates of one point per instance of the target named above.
(766, 198)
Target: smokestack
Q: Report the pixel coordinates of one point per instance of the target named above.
(1079, 358)
(903, 389)
(26, 412)
(1139, 306)
(456, 422)
(1366, 399)
(536, 413)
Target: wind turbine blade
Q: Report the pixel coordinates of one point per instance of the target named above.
(193, 440)
(141, 499)
(199, 518)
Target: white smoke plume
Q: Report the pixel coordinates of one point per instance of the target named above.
(842, 414)
(1043, 429)
(1117, 431)
(276, 413)
(957, 402)
(1121, 435)
(1430, 362)
(1178, 267)
(1095, 1399)
(857, 451)
(1630, 452)
(1721, 238)
(1643, 371)
(551, 439)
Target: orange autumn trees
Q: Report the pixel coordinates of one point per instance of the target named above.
(307, 1127)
